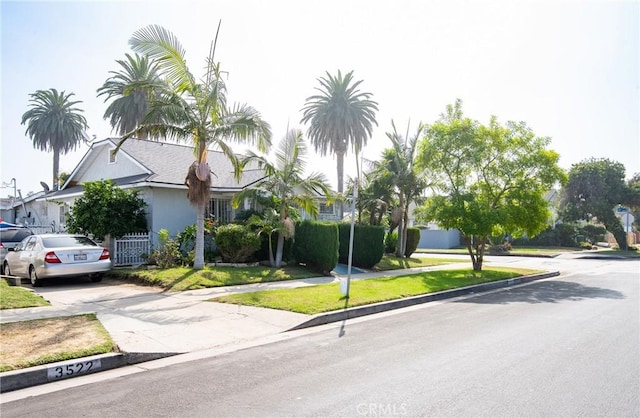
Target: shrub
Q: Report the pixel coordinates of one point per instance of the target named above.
(390, 242)
(168, 253)
(413, 239)
(316, 245)
(368, 244)
(563, 235)
(236, 243)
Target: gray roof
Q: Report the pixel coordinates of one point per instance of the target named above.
(168, 163)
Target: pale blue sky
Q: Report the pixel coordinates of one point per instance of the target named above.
(567, 68)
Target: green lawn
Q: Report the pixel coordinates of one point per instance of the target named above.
(185, 278)
(325, 298)
(12, 297)
(391, 262)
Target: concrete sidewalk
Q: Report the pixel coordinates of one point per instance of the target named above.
(147, 323)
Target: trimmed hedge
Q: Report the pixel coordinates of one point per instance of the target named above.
(368, 244)
(316, 245)
(413, 239)
(236, 243)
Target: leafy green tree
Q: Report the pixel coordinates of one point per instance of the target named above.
(196, 111)
(487, 180)
(132, 88)
(54, 124)
(634, 197)
(285, 180)
(595, 187)
(341, 115)
(105, 209)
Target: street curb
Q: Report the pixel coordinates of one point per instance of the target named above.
(47, 373)
(337, 316)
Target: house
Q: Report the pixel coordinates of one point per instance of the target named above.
(157, 170)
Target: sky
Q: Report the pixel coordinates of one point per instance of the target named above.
(569, 69)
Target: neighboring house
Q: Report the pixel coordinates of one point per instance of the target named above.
(157, 170)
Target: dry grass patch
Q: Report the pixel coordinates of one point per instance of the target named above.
(41, 341)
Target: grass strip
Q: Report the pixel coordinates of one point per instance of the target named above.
(186, 278)
(42, 341)
(325, 298)
(13, 297)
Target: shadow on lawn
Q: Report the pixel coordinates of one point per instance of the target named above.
(545, 292)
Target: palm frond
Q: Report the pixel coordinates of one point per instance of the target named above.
(164, 47)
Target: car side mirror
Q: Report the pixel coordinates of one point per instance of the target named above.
(12, 249)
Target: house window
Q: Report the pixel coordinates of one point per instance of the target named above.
(64, 211)
(112, 156)
(220, 210)
(326, 209)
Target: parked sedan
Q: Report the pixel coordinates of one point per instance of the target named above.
(43, 256)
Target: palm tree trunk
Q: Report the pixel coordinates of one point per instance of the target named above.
(56, 167)
(340, 167)
(401, 230)
(279, 249)
(198, 262)
(272, 261)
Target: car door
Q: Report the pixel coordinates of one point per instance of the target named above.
(24, 255)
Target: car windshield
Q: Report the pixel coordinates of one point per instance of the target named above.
(67, 241)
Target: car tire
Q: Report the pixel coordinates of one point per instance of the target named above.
(33, 276)
(95, 278)
(5, 269)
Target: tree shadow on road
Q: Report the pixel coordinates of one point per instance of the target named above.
(545, 292)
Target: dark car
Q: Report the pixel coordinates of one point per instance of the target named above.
(9, 238)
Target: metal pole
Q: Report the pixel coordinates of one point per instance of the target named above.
(345, 292)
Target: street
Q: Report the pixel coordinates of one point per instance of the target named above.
(565, 346)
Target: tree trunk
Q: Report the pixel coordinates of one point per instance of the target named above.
(613, 225)
(198, 262)
(475, 247)
(340, 166)
(56, 167)
(279, 249)
(272, 261)
(401, 230)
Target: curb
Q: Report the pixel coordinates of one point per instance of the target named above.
(62, 370)
(337, 316)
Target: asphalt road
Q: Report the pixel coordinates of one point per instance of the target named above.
(567, 346)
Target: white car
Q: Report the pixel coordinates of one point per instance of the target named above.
(43, 256)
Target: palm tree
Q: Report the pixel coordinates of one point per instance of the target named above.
(397, 167)
(54, 124)
(339, 116)
(284, 180)
(133, 88)
(194, 110)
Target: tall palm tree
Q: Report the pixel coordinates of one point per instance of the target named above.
(196, 111)
(133, 87)
(341, 115)
(54, 124)
(397, 167)
(284, 179)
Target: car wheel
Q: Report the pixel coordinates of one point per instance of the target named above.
(33, 276)
(5, 269)
(96, 278)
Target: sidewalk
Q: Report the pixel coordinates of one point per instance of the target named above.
(147, 323)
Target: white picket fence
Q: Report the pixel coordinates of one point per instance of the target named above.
(129, 249)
